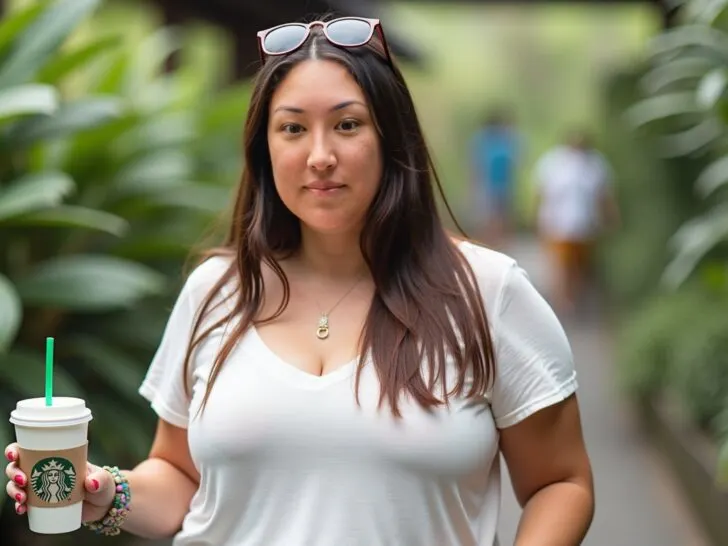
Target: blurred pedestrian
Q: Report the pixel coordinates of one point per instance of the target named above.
(575, 204)
(494, 155)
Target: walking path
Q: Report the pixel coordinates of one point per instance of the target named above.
(638, 502)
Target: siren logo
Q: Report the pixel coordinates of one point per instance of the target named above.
(53, 479)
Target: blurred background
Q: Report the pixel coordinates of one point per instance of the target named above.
(120, 141)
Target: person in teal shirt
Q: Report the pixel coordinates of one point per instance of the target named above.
(494, 151)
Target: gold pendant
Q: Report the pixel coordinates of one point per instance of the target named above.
(322, 332)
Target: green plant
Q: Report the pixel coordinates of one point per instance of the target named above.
(103, 191)
(688, 101)
(650, 337)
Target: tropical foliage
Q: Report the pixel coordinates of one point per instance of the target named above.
(686, 102)
(103, 191)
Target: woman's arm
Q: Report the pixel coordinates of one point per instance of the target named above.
(551, 476)
(162, 486)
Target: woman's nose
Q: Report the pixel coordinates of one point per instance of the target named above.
(322, 156)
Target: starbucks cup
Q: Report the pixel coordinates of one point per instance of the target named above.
(53, 446)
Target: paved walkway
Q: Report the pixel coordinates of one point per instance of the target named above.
(638, 503)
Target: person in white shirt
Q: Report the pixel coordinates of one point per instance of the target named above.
(343, 371)
(575, 204)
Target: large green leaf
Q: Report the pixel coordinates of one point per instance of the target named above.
(26, 100)
(24, 372)
(34, 192)
(712, 88)
(713, 177)
(111, 78)
(681, 70)
(15, 22)
(40, 40)
(72, 117)
(88, 283)
(11, 312)
(705, 11)
(709, 42)
(695, 139)
(65, 64)
(74, 217)
(693, 241)
(661, 107)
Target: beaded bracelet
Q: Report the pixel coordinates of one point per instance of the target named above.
(110, 524)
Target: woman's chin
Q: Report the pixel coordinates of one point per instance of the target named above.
(331, 226)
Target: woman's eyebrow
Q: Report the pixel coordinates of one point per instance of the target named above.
(297, 110)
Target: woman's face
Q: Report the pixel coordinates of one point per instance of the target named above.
(53, 476)
(324, 147)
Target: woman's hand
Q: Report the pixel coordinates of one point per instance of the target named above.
(99, 485)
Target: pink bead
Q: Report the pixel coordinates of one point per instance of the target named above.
(119, 489)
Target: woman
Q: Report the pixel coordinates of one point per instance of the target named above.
(344, 384)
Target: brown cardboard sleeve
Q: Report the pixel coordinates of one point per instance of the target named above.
(55, 478)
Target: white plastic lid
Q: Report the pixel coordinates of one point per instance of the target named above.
(64, 412)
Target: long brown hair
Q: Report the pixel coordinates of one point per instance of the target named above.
(426, 304)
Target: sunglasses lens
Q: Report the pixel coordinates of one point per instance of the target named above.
(349, 32)
(284, 39)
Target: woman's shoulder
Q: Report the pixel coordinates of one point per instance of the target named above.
(490, 267)
(485, 262)
(205, 275)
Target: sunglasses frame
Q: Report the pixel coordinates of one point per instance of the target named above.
(374, 26)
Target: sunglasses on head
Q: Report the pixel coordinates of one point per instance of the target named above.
(342, 32)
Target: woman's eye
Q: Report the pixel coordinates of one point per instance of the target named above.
(292, 128)
(349, 125)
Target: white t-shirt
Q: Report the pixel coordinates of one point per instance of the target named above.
(571, 184)
(287, 458)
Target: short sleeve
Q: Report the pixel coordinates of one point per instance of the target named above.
(534, 360)
(163, 385)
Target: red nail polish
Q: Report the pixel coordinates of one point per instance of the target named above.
(19, 497)
(96, 484)
(19, 479)
(10, 456)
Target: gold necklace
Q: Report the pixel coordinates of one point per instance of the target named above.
(322, 331)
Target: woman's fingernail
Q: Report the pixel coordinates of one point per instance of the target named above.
(20, 509)
(95, 483)
(19, 479)
(10, 456)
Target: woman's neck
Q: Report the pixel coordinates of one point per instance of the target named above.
(332, 256)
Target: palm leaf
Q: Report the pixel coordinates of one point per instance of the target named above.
(11, 312)
(74, 217)
(62, 65)
(88, 283)
(40, 40)
(26, 100)
(34, 192)
(71, 118)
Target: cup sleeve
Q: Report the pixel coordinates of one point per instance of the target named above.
(534, 361)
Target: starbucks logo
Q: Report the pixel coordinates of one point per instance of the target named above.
(53, 479)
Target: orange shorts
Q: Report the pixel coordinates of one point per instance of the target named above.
(571, 255)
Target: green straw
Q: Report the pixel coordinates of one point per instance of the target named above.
(49, 372)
